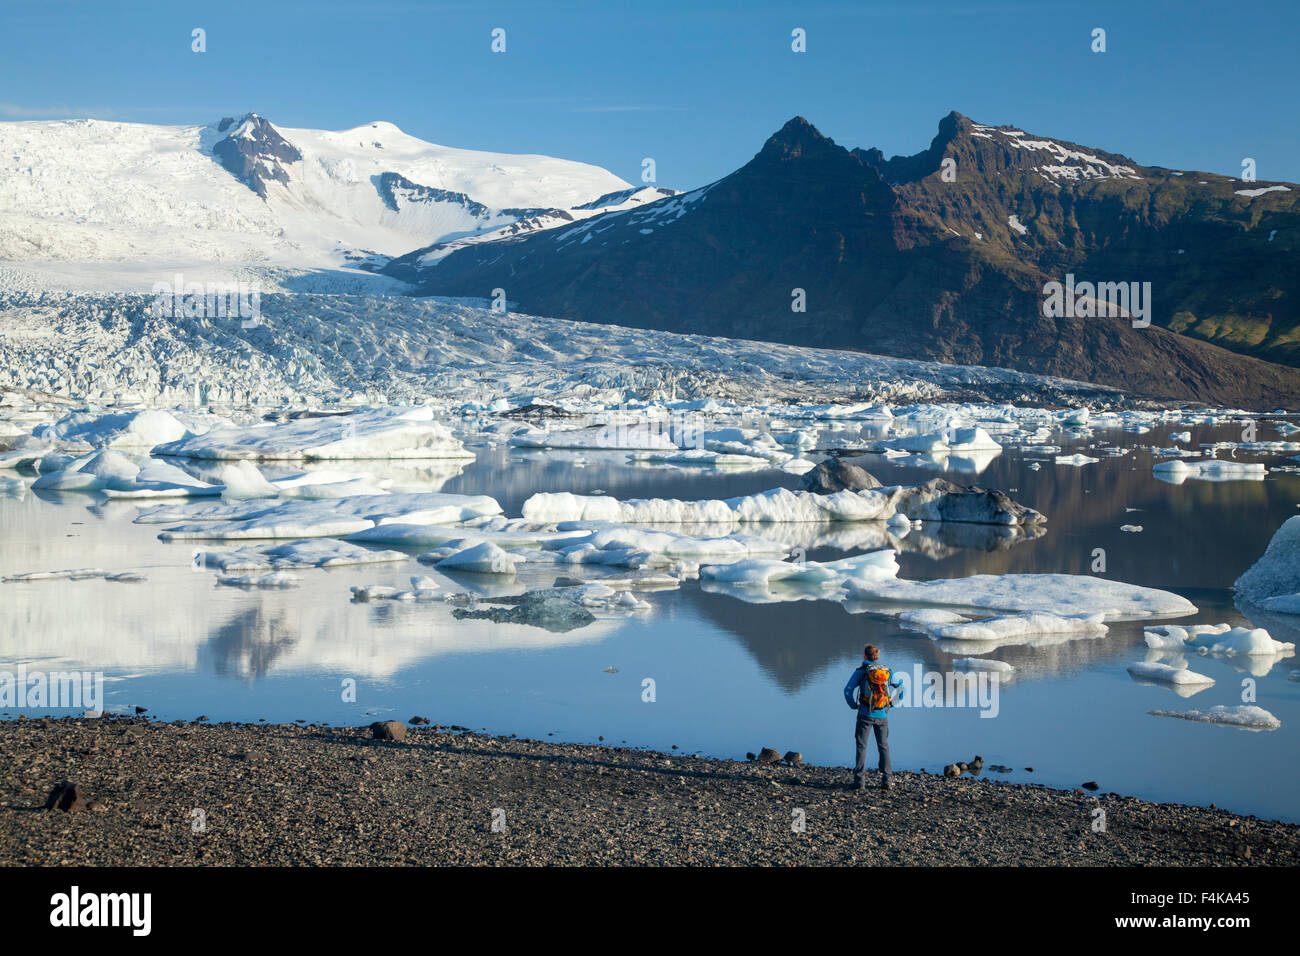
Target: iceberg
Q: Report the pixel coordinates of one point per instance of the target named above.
(1254, 649)
(1177, 470)
(1245, 716)
(777, 505)
(1277, 573)
(482, 557)
(137, 430)
(1003, 629)
(984, 664)
(308, 553)
(759, 572)
(1058, 594)
(308, 518)
(1168, 674)
(375, 433)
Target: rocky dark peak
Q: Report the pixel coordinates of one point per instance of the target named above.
(905, 169)
(797, 139)
(254, 152)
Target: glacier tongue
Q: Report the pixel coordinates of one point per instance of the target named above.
(354, 349)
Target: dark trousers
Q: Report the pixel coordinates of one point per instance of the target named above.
(860, 733)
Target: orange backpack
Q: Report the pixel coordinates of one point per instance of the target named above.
(875, 688)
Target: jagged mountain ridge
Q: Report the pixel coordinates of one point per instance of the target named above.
(895, 259)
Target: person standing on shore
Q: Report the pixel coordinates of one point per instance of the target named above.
(868, 692)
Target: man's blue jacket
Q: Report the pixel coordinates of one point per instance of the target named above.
(855, 683)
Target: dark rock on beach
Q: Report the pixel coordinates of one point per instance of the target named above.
(66, 797)
(388, 730)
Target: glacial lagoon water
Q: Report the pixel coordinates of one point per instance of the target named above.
(732, 673)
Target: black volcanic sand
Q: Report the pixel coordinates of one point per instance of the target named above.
(287, 794)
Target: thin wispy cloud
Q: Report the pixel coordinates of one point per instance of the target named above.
(18, 111)
(623, 109)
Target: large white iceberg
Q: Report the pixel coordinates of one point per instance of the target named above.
(1277, 573)
(136, 430)
(779, 504)
(1221, 639)
(380, 433)
(1060, 594)
(311, 518)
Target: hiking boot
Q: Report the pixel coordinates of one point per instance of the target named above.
(887, 784)
(858, 785)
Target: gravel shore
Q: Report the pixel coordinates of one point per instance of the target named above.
(288, 794)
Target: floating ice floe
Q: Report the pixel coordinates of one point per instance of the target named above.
(102, 469)
(482, 557)
(75, 574)
(1004, 629)
(1177, 470)
(368, 433)
(983, 664)
(1222, 639)
(759, 572)
(1243, 716)
(1062, 595)
(310, 553)
(700, 457)
(240, 480)
(1168, 674)
(1273, 581)
(268, 581)
(24, 451)
(505, 533)
(953, 439)
(160, 479)
(925, 618)
(935, 500)
(630, 547)
(422, 589)
(310, 518)
(136, 430)
(1076, 460)
(645, 435)
(779, 504)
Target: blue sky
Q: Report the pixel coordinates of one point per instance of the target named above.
(697, 85)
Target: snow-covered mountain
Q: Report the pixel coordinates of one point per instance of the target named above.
(245, 191)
